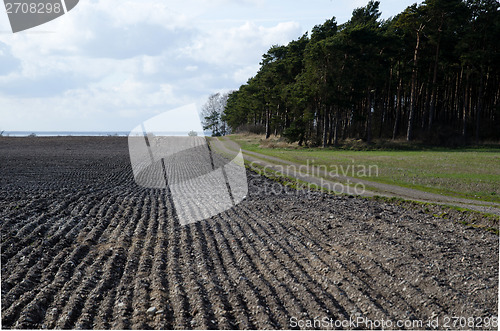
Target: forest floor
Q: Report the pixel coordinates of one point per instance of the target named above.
(84, 247)
(342, 171)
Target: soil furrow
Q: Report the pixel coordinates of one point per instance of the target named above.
(84, 247)
(125, 290)
(207, 260)
(163, 317)
(235, 307)
(76, 302)
(296, 281)
(264, 304)
(147, 235)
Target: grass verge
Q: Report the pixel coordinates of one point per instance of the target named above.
(472, 173)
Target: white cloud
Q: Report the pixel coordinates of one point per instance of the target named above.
(191, 68)
(243, 74)
(137, 12)
(240, 45)
(110, 64)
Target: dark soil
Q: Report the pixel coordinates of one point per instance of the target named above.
(84, 247)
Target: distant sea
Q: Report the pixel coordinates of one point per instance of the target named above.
(64, 133)
(83, 133)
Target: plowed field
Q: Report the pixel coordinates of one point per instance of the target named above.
(82, 246)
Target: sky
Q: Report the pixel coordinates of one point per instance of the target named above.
(109, 65)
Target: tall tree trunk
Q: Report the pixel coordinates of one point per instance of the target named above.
(387, 104)
(413, 97)
(424, 103)
(268, 125)
(466, 105)
(336, 133)
(398, 109)
(456, 116)
(432, 108)
(278, 125)
(325, 127)
(370, 115)
(479, 106)
(331, 128)
(287, 118)
(345, 130)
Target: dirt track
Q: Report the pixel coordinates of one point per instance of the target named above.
(274, 163)
(84, 247)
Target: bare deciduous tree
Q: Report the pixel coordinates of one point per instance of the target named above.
(212, 114)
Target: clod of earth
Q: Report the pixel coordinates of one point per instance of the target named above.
(82, 246)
